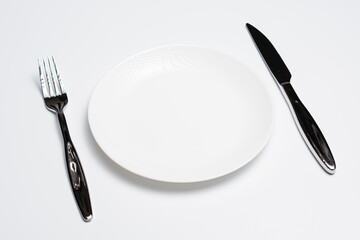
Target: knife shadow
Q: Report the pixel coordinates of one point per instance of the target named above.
(146, 183)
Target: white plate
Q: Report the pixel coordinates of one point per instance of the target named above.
(181, 114)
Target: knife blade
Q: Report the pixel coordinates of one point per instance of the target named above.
(307, 126)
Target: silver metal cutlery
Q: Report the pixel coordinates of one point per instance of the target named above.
(307, 126)
(56, 99)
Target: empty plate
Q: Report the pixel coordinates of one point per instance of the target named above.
(181, 114)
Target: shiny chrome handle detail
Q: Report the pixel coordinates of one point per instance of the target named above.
(75, 172)
(309, 130)
(74, 167)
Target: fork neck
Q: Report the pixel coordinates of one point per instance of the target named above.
(63, 126)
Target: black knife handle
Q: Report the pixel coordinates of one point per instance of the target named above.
(75, 172)
(309, 130)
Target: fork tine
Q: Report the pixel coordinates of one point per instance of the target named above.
(53, 80)
(62, 89)
(44, 88)
(50, 86)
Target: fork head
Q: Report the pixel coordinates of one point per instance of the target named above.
(51, 85)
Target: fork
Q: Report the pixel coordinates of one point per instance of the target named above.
(55, 100)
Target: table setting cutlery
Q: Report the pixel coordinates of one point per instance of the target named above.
(56, 99)
(307, 126)
(181, 114)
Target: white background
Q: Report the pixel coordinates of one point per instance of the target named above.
(282, 194)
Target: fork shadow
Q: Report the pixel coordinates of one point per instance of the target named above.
(146, 183)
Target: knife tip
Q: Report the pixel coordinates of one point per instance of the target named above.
(248, 25)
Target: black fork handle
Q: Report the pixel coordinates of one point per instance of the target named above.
(76, 173)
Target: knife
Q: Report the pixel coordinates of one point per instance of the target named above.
(307, 126)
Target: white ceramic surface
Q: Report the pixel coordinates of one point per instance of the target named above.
(181, 114)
